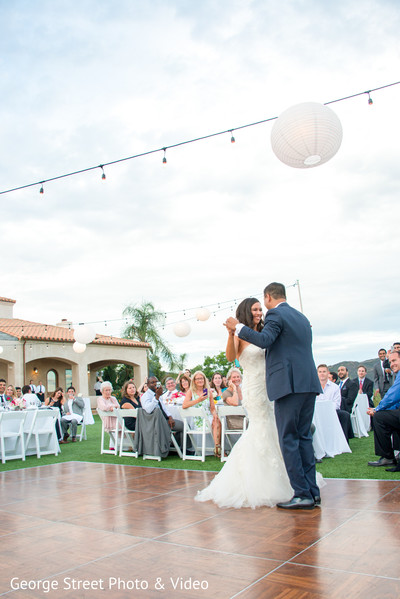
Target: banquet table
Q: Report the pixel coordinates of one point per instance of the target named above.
(359, 414)
(328, 438)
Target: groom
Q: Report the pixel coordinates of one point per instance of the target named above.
(292, 382)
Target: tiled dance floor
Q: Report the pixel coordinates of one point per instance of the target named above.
(77, 530)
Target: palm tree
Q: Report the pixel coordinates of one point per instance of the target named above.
(144, 323)
(181, 361)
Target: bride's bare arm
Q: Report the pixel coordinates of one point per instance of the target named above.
(231, 347)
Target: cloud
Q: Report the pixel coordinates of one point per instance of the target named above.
(97, 82)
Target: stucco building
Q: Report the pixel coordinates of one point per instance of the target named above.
(42, 352)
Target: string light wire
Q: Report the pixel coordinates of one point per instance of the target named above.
(181, 143)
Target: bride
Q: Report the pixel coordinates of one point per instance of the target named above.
(254, 474)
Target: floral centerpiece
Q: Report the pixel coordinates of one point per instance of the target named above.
(176, 397)
(18, 403)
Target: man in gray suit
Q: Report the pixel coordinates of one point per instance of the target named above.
(383, 377)
(74, 409)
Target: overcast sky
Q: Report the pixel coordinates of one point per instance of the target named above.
(85, 83)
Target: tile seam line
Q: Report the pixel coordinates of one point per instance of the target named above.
(93, 561)
(346, 571)
(289, 561)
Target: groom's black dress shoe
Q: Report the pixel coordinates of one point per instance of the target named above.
(297, 503)
(395, 469)
(317, 500)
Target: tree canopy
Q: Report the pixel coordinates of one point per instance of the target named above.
(144, 322)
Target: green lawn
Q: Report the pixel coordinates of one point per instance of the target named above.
(349, 465)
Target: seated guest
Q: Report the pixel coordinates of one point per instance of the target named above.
(386, 418)
(331, 392)
(30, 399)
(18, 391)
(152, 400)
(364, 384)
(57, 400)
(108, 403)
(184, 386)
(130, 399)
(74, 409)
(10, 393)
(171, 395)
(3, 396)
(348, 389)
(333, 376)
(232, 396)
(200, 395)
(143, 388)
(217, 387)
(186, 373)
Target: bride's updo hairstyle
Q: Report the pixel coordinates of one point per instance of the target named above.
(244, 314)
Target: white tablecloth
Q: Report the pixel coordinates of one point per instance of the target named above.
(361, 406)
(328, 438)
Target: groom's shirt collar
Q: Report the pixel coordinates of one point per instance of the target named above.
(277, 305)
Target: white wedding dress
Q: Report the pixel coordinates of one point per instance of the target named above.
(255, 473)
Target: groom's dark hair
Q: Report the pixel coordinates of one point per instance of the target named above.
(244, 315)
(275, 290)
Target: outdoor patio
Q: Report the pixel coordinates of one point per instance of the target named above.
(93, 530)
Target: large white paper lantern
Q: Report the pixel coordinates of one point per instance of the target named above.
(306, 135)
(79, 348)
(84, 333)
(203, 314)
(182, 329)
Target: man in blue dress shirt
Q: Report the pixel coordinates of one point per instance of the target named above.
(386, 418)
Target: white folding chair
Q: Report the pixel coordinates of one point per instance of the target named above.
(12, 444)
(226, 432)
(113, 433)
(43, 429)
(175, 445)
(82, 424)
(193, 433)
(126, 434)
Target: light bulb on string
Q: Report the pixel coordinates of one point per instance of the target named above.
(103, 176)
(370, 100)
(232, 138)
(165, 157)
(41, 190)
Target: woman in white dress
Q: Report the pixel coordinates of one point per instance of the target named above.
(254, 474)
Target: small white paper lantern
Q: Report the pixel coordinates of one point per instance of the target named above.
(306, 135)
(203, 314)
(182, 329)
(79, 348)
(84, 333)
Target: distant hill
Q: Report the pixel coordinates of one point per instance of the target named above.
(352, 367)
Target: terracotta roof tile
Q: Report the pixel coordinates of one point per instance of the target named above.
(25, 329)
(6, 299)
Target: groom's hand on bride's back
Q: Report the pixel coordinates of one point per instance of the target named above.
(231, 323)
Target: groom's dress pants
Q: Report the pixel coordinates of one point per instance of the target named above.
(294, 414)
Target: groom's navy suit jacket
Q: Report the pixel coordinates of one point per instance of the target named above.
(290, 366)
